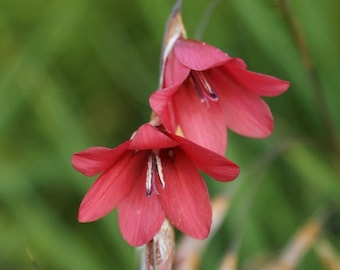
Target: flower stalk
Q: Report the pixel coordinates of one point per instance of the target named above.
(159, 253)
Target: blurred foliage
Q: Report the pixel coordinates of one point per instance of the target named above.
(78, 73)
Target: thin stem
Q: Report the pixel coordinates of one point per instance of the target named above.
(202, 25)
(313, 75)
(31, 257)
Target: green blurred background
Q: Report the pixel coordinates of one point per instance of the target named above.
(78, 73)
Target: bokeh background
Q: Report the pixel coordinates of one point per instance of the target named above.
(78, 73)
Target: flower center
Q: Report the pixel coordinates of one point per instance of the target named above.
(203, 89)
(154, 169)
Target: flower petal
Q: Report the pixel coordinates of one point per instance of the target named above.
(97, 159)
(236, 63)
(260, 84)
(161, 103)
(246, 113)
(174, 71)
(113, 186)
(140, 217)
(213, 164)
(201, 122)
(198, 55)
(185, 198)
(149, 137)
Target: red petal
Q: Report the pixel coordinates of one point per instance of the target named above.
(113, 186)
(140, 217)
(236, 63)
(97, 159)
(202, 123)
(185, 198)
(161, 103)
(174, 71)
(260, 84)
(246, 113)
(149, 137)
(213, 164)
(198, 55)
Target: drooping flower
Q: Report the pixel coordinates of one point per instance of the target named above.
(152, 177)
(204, 91)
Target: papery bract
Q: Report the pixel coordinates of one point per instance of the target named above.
(204, 91)
(151, 177)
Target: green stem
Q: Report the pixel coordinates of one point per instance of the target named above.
(205, 18)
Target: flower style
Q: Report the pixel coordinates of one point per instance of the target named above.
(149, 178)
(204, 91)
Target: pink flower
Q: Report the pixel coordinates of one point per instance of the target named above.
(206, 91)
(149, 178)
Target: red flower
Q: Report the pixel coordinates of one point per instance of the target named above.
(149, 178)
(205, 91)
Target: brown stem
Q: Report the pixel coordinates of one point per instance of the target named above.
(159, 253)
(313, 75)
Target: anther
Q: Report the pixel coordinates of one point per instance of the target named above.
(197, 88)
(202, 87)
(160, 171)
(149, 176)
(154, 166)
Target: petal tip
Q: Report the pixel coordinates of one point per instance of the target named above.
(85, 217)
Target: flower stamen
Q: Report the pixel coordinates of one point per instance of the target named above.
(154, 166)
(160, 170)
(202, 87)
(149, 176)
